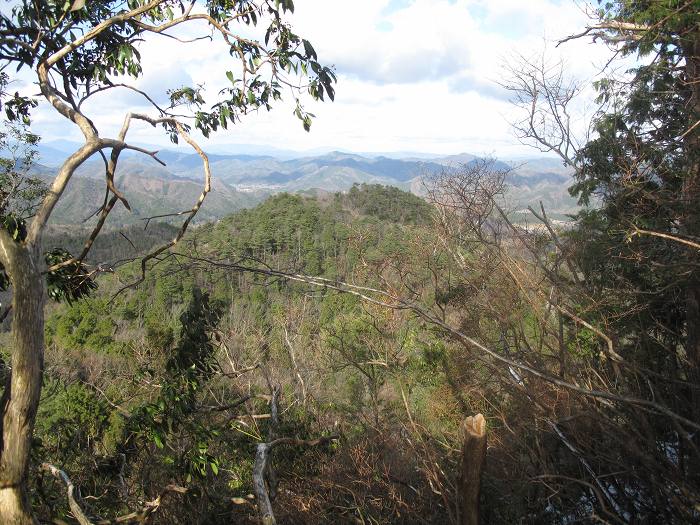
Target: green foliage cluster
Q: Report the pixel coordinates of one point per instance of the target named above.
(188, 368)
(312, 237)
(387, 204)
(54, 25)
(71, 417)
(285, 224)
(85, 325)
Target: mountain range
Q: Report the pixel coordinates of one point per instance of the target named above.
(243, 180)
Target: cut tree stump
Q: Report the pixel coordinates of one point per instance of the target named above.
(473, 457)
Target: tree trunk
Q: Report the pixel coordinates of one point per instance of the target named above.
(20, 398)
(473, 456)
(691, 195)
(691, 221)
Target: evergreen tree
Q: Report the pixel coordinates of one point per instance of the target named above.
(644, 165)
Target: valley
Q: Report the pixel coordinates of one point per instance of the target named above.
(242, 181)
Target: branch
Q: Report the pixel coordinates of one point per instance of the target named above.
(110, 169)
(99, 28)
(223, 408)
(639, 231)
(262, 457)
(292, 357)
(59, 185)
(191, 213)
(600, 31)
(545, 96)
(584, 462)
(632, 29)
(221, 27)
(93, 143)
(117, 146)
(70, 491)
(139, 516)
(264, 478)
(91, 239)
(122, 85)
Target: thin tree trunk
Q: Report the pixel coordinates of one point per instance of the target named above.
(21, 395)
(295, 367)
(473, 456)
(690, 220)
(691, 223)
(691, 196)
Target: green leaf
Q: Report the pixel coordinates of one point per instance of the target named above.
(309, 49)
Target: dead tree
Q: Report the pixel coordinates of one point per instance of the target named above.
(264, 478)
(473, 457)
(550, 110)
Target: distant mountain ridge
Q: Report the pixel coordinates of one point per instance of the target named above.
(243, 180)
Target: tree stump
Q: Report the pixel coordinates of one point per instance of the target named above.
(473, 457)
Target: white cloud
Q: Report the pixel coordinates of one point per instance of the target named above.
(427, 39)
(414, 75)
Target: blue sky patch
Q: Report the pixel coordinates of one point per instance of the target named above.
(396, 5)
(384, 26)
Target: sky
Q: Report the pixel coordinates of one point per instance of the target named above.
(417, 76)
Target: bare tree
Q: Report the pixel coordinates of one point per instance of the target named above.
(549, 104)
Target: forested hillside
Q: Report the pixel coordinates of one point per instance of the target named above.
(375, 339)
(115, 247)
(267, 324)
(173, 380)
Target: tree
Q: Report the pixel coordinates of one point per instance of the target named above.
(642, 160)
(78, 50)
(644, 165)
(635, 251)
(19, 190)
(645, 162)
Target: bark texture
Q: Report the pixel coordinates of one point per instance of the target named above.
(691, 196)
(473, 456)
(21, 394)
